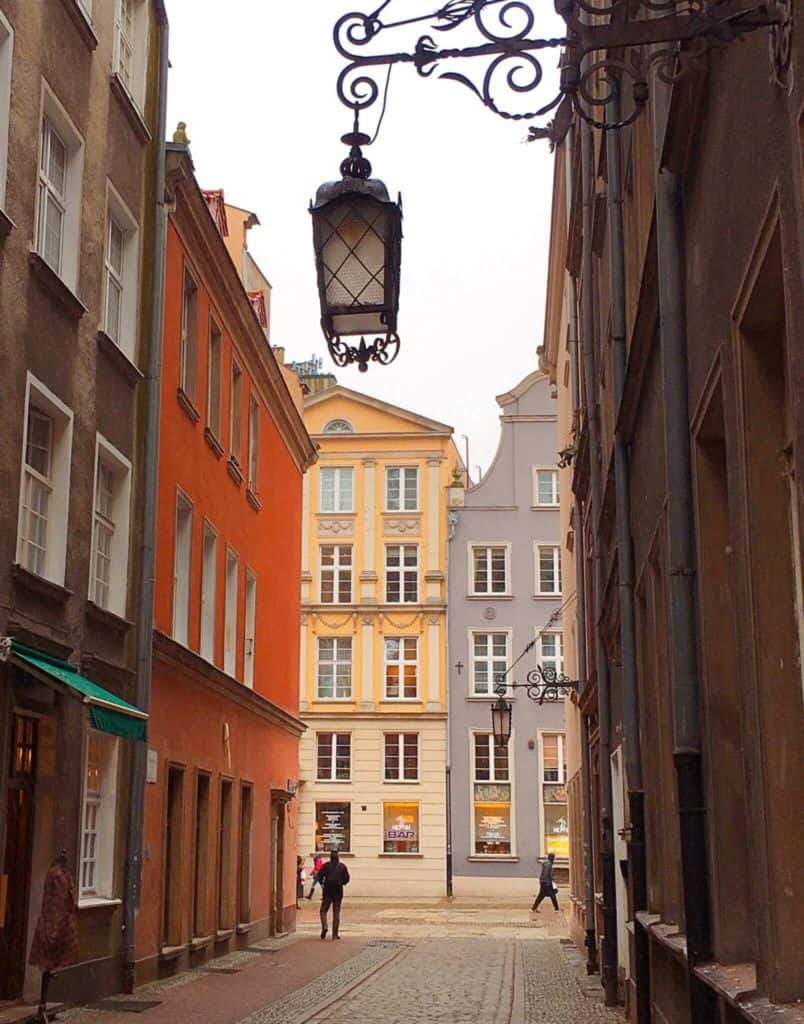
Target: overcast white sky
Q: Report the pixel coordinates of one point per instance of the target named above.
(255, 82)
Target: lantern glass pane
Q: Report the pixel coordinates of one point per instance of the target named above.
(354, 233)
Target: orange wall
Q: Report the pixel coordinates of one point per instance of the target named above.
(267, 541)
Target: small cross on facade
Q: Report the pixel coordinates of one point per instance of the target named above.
(459, 666)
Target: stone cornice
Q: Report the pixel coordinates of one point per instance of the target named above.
(212, 260)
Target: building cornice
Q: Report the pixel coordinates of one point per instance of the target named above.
(425, 424)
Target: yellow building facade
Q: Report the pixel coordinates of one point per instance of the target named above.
(373, 643)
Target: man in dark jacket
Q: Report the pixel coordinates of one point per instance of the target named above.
(333, 876)
(546, 886)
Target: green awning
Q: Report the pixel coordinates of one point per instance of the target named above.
(107, 711)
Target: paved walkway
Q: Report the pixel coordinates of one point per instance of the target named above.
(434, 962)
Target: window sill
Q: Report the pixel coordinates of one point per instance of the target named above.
(341, 854)
(199, 942)
(187, 404)
(485, 698)
(253, 500)
(82, 23)
(489, 597)
(224, 934)
(115, 354)
(401, 700)
(244, 927)
(485, 858)
(334, 700)
(410, 856)
(541, 508)
(547, 597)
(351, 514)
(401, 782)
(213, 442)
(130, 109)
(168, 953)
(402, 512)
(97, 903)
(334, 782)
(112, 620)
(6, 223)
(234, 471)
(57, 288)
(39, 585)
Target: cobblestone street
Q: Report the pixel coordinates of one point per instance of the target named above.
(435, 962)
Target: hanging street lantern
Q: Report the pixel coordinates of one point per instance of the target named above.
(501, 722)
(357, 234)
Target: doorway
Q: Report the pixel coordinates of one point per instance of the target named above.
(277, 866)
(620, 862)
(18, 853)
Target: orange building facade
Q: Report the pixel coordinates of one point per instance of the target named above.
(219, 844)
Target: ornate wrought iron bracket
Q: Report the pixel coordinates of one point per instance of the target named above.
(639, 35)
(544, 685)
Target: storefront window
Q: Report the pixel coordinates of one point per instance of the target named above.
(333, 829)
(554, 796)
(493, 818)
(400, 828)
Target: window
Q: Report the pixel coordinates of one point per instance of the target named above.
(86, 7)
(230, 616)
(402, 489)
(400, 828)
(551, 652)
(334, 668)
(546, 487)
(181, 570)
(401, 757)
(96, 854)
(337, 490)
(490, 570)
(548, 569)
(209, 584)
(109, 567)
(401, 661)
(131, 41)
(489, 660)
(333, 756)
(253, 442)
(45, 483)
(173, 858)
(214, 380)
(58, 211)
(236, 413)
(202, 830)
(225, 915)
(336, 573)
(339, 427)
(491, 793)
(244, 853)
(188, 379)
(333, 827)
(250, 629)
(554, 795)
(120, 274)
(6, 47)
(402, 573)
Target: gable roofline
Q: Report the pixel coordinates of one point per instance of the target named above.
(516, 392)
(425, 424)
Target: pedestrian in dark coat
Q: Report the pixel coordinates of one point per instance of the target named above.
(546, 885)
(333, 876)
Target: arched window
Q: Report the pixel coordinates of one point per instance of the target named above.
(339, 427)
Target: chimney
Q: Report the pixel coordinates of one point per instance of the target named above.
(279, 353)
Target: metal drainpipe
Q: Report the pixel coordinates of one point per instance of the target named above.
(580, 608)
(448, 768)
(625, 569)
(609, 939)
(685, 688)
(145, 604)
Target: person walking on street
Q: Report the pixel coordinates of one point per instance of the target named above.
(546, 885)
(333, 876)
(318, 863)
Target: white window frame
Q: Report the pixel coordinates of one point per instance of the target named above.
(510, 781)
(209, 590)
(335, 740)
(120, 467)
(127, 280)
(133, 37)
(558, 657)
(561, 781)
(488, 546)
(98, 822)
(337, 641)
(188, 350)
(338, 571)
(42, 398)
(557, 569)
(473, 660)
(182, 558)
(339, 474)
(56, 116)
(253, 443)
(250, 628)
(401, 570)
(236, 385)
(401, 663)
(214, 423)
(6, 59)
(537, 502)
(232, 594)
(402, 505)
(399, 778)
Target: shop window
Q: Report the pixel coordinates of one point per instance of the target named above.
(400, 828)
(333, 827)
(554, 795)
(491, 795)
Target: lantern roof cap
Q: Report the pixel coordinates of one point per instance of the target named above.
(373, 188)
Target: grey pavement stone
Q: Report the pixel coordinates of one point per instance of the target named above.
(552, 993)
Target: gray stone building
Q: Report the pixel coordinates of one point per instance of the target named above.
(507, 808)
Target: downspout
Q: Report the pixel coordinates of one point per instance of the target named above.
(625, 569)
(147, 540)
(609, 939)
(448, 767)
(580, 606)
(685, 685)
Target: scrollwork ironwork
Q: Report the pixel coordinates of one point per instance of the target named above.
(545, 684)
(381, 350)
